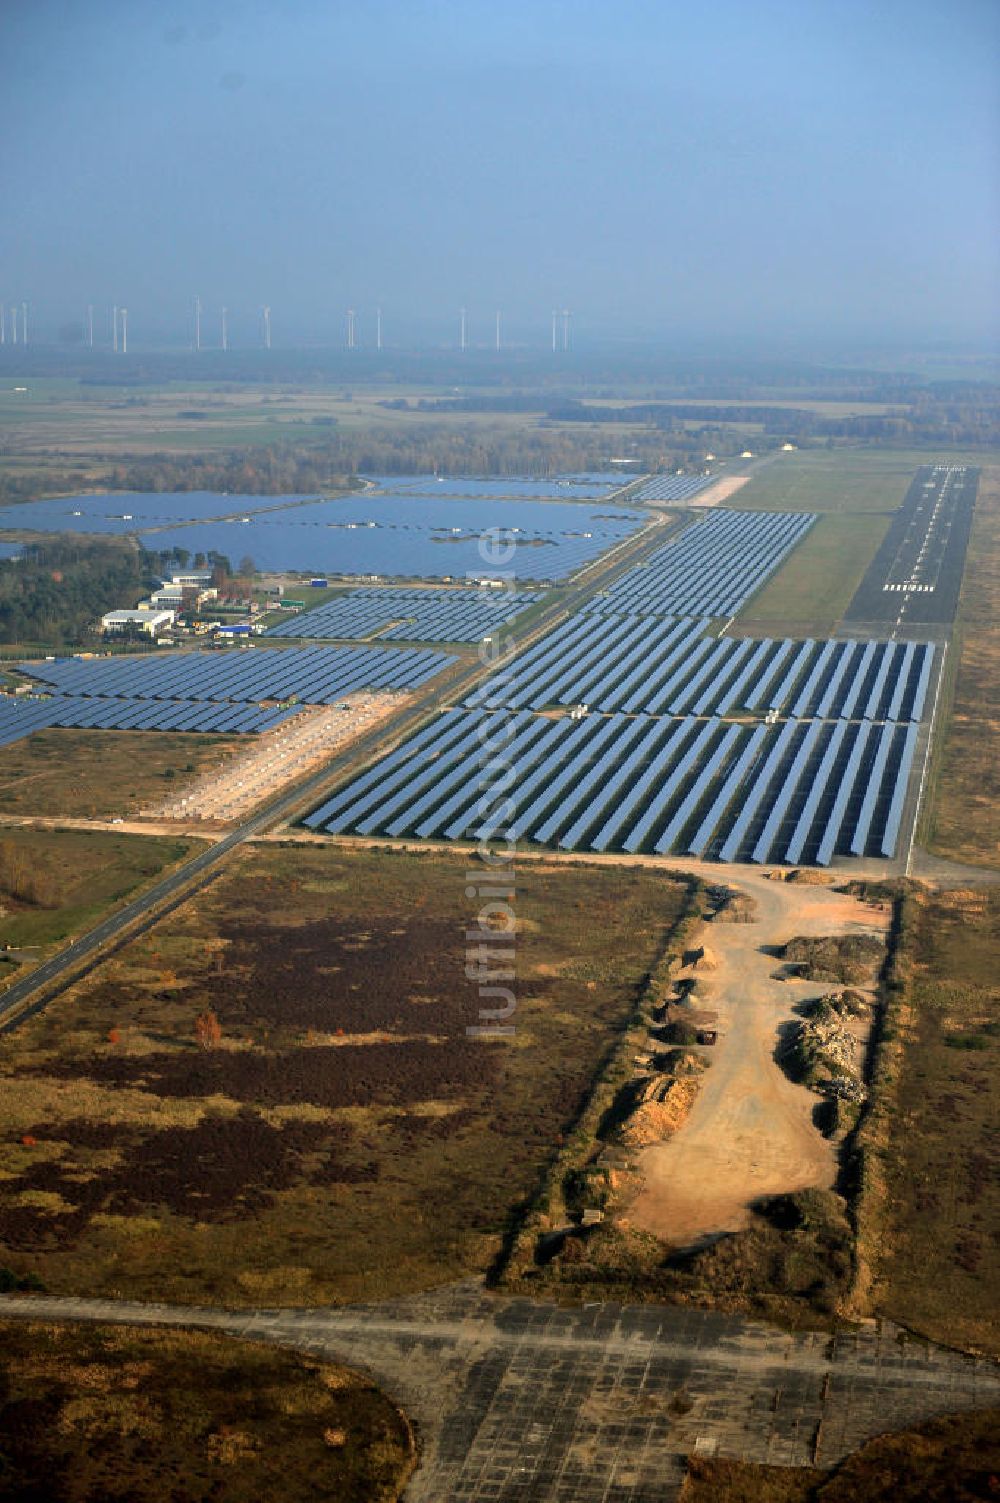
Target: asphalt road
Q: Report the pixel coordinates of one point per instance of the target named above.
(28, 996)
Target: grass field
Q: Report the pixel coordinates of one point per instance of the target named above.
(94, 774)
(136, 1416)
(963, 804)
(934, 1200)
(815, 585)
(840, 480)
(57, 883)
(344, 1138)
(953, 1459)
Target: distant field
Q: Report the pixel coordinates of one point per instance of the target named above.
(962, 818)
(98, 774)
(816, 583)
(126, 1415)
(55, 883)
(344, 1138)
(838, 480)
(933, 1214)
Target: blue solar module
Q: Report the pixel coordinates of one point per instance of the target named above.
(121, 512)
(626, 733)
(379, 537)
(595, 735)
(821, 779)
(686, 752)
(828, 841)
(920, 696)
(890, 834)
(861, 676)
(815, 675)
(727, 792)
(710, 569)
(591, 486)
(615, 779)
(477, 794)
(762, 850)
(708, 775)
(859, 839)
(314, 675)
(396, 615)
(902, 678)
(757, 792)
(678, 735)
(672, 487)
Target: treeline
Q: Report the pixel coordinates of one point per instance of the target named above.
(57, 591)
(336, 461)
(29, 487)
(927, 421)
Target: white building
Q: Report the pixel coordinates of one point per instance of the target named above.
(152, 622)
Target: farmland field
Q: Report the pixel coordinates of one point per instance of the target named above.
(343, 1137)
(96, 774)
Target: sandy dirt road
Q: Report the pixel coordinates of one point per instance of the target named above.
(750, 1131)
(720, 491)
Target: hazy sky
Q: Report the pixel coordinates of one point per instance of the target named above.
(787, 167)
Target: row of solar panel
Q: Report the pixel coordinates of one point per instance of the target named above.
(423, 615)
(671, 487)
(712, 568)
(315, 675)
(583, 487)
(129, 511)
(21, 717)
(382, 553)
(667, 666)
(804, 791)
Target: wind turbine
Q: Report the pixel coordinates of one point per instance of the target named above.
(498, 329)
(266, 312)
(378, 328)
(124, 331)
(225, 328)
(565, 324)
(462, 329)
(197, 323)
(114, 328)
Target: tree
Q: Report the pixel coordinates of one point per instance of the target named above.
(208, 1030)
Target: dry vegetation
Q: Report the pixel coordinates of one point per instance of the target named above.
(133, 1416)
(954, 1459)
(339, 1136)
(964, 806)
(930, 1192)
(96, 774)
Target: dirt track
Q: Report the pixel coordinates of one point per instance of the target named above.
(750, 1131)
(720, 491)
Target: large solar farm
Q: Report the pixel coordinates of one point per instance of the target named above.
(631, 717)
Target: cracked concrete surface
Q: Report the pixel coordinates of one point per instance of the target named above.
(513, 1399)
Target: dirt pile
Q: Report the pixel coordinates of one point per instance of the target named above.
(730, 907)
(824, 1053)
(662, 1104)
(852, 959)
